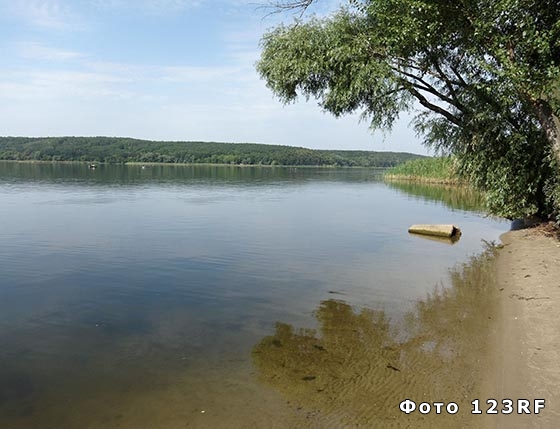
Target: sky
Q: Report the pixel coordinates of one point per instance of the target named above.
(160, 70)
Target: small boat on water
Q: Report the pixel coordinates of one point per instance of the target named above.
(92, 166)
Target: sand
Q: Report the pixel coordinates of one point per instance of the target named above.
(526, 337)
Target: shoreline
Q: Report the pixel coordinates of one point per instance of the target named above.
(424, 180)
(183, 164)
(524, 340)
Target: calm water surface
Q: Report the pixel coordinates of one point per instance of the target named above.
(139, 297)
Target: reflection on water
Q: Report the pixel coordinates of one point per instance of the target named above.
(443, 240)
(132, 298)
(455, 197)
(80, 173)
(358, 365)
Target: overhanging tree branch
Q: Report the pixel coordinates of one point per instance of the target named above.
(425, 86)
(458, 75)
(448, 83)
(289, 5)
(435, 108)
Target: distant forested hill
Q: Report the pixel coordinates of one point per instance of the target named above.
(116, 150)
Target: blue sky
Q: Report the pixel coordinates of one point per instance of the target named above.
(158, 69)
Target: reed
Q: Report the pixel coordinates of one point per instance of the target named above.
(435, 170)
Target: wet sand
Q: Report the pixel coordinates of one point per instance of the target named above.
(526, 337)
(357, 366)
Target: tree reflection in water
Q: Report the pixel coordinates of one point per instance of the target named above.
(359, 365)
(453, 196)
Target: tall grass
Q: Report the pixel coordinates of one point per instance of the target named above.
(436, 170)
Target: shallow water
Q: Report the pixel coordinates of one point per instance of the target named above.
(138, 297)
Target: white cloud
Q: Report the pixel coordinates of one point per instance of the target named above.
(147, 6)
(51, 14)
(170, 74)
(39, 51)
(197, 74)
(59, 85)
(107, 80)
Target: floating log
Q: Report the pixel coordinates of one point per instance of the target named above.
(447, 231)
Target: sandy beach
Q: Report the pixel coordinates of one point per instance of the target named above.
(526, 337)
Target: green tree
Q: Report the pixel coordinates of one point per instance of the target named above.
(117, 150)
(483, 76)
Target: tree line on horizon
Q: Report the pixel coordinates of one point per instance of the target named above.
(119, 150)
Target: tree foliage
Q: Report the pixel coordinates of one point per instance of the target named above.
(117, 150)
(482, 76)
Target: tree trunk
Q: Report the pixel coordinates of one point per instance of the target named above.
(551, 126)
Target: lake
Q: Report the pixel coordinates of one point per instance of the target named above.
(206, 296)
